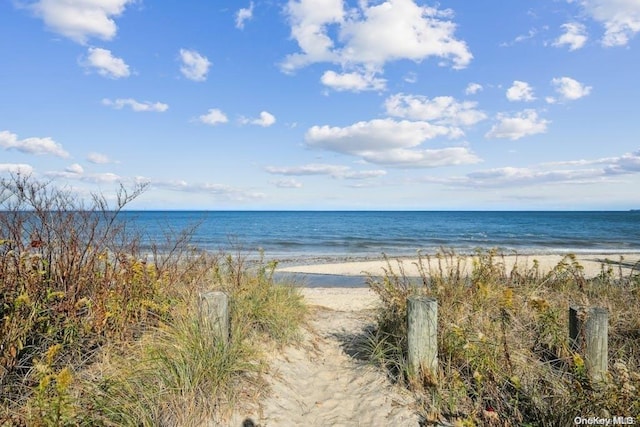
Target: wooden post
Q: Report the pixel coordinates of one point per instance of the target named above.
(214, 307)
(422, 325)
(589, 331)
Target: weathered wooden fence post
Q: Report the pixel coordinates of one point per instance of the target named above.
(214, 307)
(422, 339)
(589, 334)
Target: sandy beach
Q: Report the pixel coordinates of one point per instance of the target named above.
(321, 382)
(592, 263)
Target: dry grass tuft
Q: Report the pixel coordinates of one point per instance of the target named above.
(93, 332)
(503, 344)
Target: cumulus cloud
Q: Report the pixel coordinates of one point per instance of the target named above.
(334, 171)
(213, 117)
(570, 89)
(353, 81)
(442, 110)
(136, 106)
(520, 91)
(371, 34)
(390, 142)
(98, 158)
(521, 124)
(80, 20)
(37, 146)
(243, 15)
(266, 119)
(574, 36)
(620, 18)
(106, 64)
(473, 88)
(194, 65)
(16, 168)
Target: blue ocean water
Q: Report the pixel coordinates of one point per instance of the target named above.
(363, 234)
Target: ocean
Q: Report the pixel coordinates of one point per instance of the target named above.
(340, 235)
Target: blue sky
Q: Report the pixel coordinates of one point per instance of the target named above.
(326, 104)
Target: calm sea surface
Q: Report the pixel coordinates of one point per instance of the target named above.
(362, 234)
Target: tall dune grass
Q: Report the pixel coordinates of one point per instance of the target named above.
(93, 332)
(504, 354)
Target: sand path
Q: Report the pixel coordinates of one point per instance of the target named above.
(318, 383)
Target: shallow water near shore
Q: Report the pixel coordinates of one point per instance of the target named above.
(310, 280)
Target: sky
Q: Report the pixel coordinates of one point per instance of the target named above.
(326, 104)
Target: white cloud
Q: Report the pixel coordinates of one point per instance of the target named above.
(621, 19)
(515, 177)
(81, 19)
(518, 126)
(244, 14)
(213, 117)
(334, 171)
(570, 89)
(364, 174)
(309, 20)
(106, 64)
(76, 172)
(98, 158)
(390, 142)
(522, 37)
(266, 119)
(118, 104)
(410, 77)
(574, 36)
(103, 178)
(567, 172)
(371, 35)
(627, 163)
(310, 169)
(520, 91)
(194, 66)
(215, 190)
(442, 110)
(473, 88)
(374, 135)
(75, 168)
(15, 168)
(37, 146)
(354, 81)
(287, 183)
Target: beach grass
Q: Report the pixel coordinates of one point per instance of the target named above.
(93, 332)
(503, 340)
